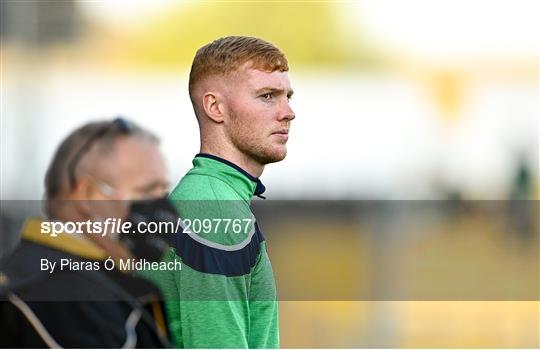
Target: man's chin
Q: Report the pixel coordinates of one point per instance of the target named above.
(275, 156)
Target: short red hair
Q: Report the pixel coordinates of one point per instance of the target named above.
(225, 55)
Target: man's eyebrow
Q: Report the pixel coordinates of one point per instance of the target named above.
(272, 89)
(153, 185)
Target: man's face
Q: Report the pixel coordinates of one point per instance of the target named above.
(259, 113)
(136, 170)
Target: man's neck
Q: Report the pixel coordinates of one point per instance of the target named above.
(243, 161)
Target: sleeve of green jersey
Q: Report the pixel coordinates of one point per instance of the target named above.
(263, 308)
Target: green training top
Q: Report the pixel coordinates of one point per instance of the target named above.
(224, 296)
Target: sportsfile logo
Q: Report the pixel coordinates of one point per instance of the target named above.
(102, 228)
(117, 226)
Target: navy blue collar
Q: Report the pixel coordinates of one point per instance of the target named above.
(259, 188)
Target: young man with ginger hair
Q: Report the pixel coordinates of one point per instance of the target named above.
(225, 295)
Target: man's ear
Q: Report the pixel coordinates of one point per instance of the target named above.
(213, 106)
(83, 194)
(85, 189)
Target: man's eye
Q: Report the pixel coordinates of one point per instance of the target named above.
(267, 96)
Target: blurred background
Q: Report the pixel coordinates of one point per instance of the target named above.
(405, 214)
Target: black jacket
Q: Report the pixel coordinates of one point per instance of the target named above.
(75, 308)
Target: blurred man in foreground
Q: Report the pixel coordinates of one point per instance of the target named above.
(225, 296)
(96, 171)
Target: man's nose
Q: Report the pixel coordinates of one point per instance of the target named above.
(287, 113)
(158, 192)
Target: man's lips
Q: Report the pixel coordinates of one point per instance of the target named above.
(282, 134)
